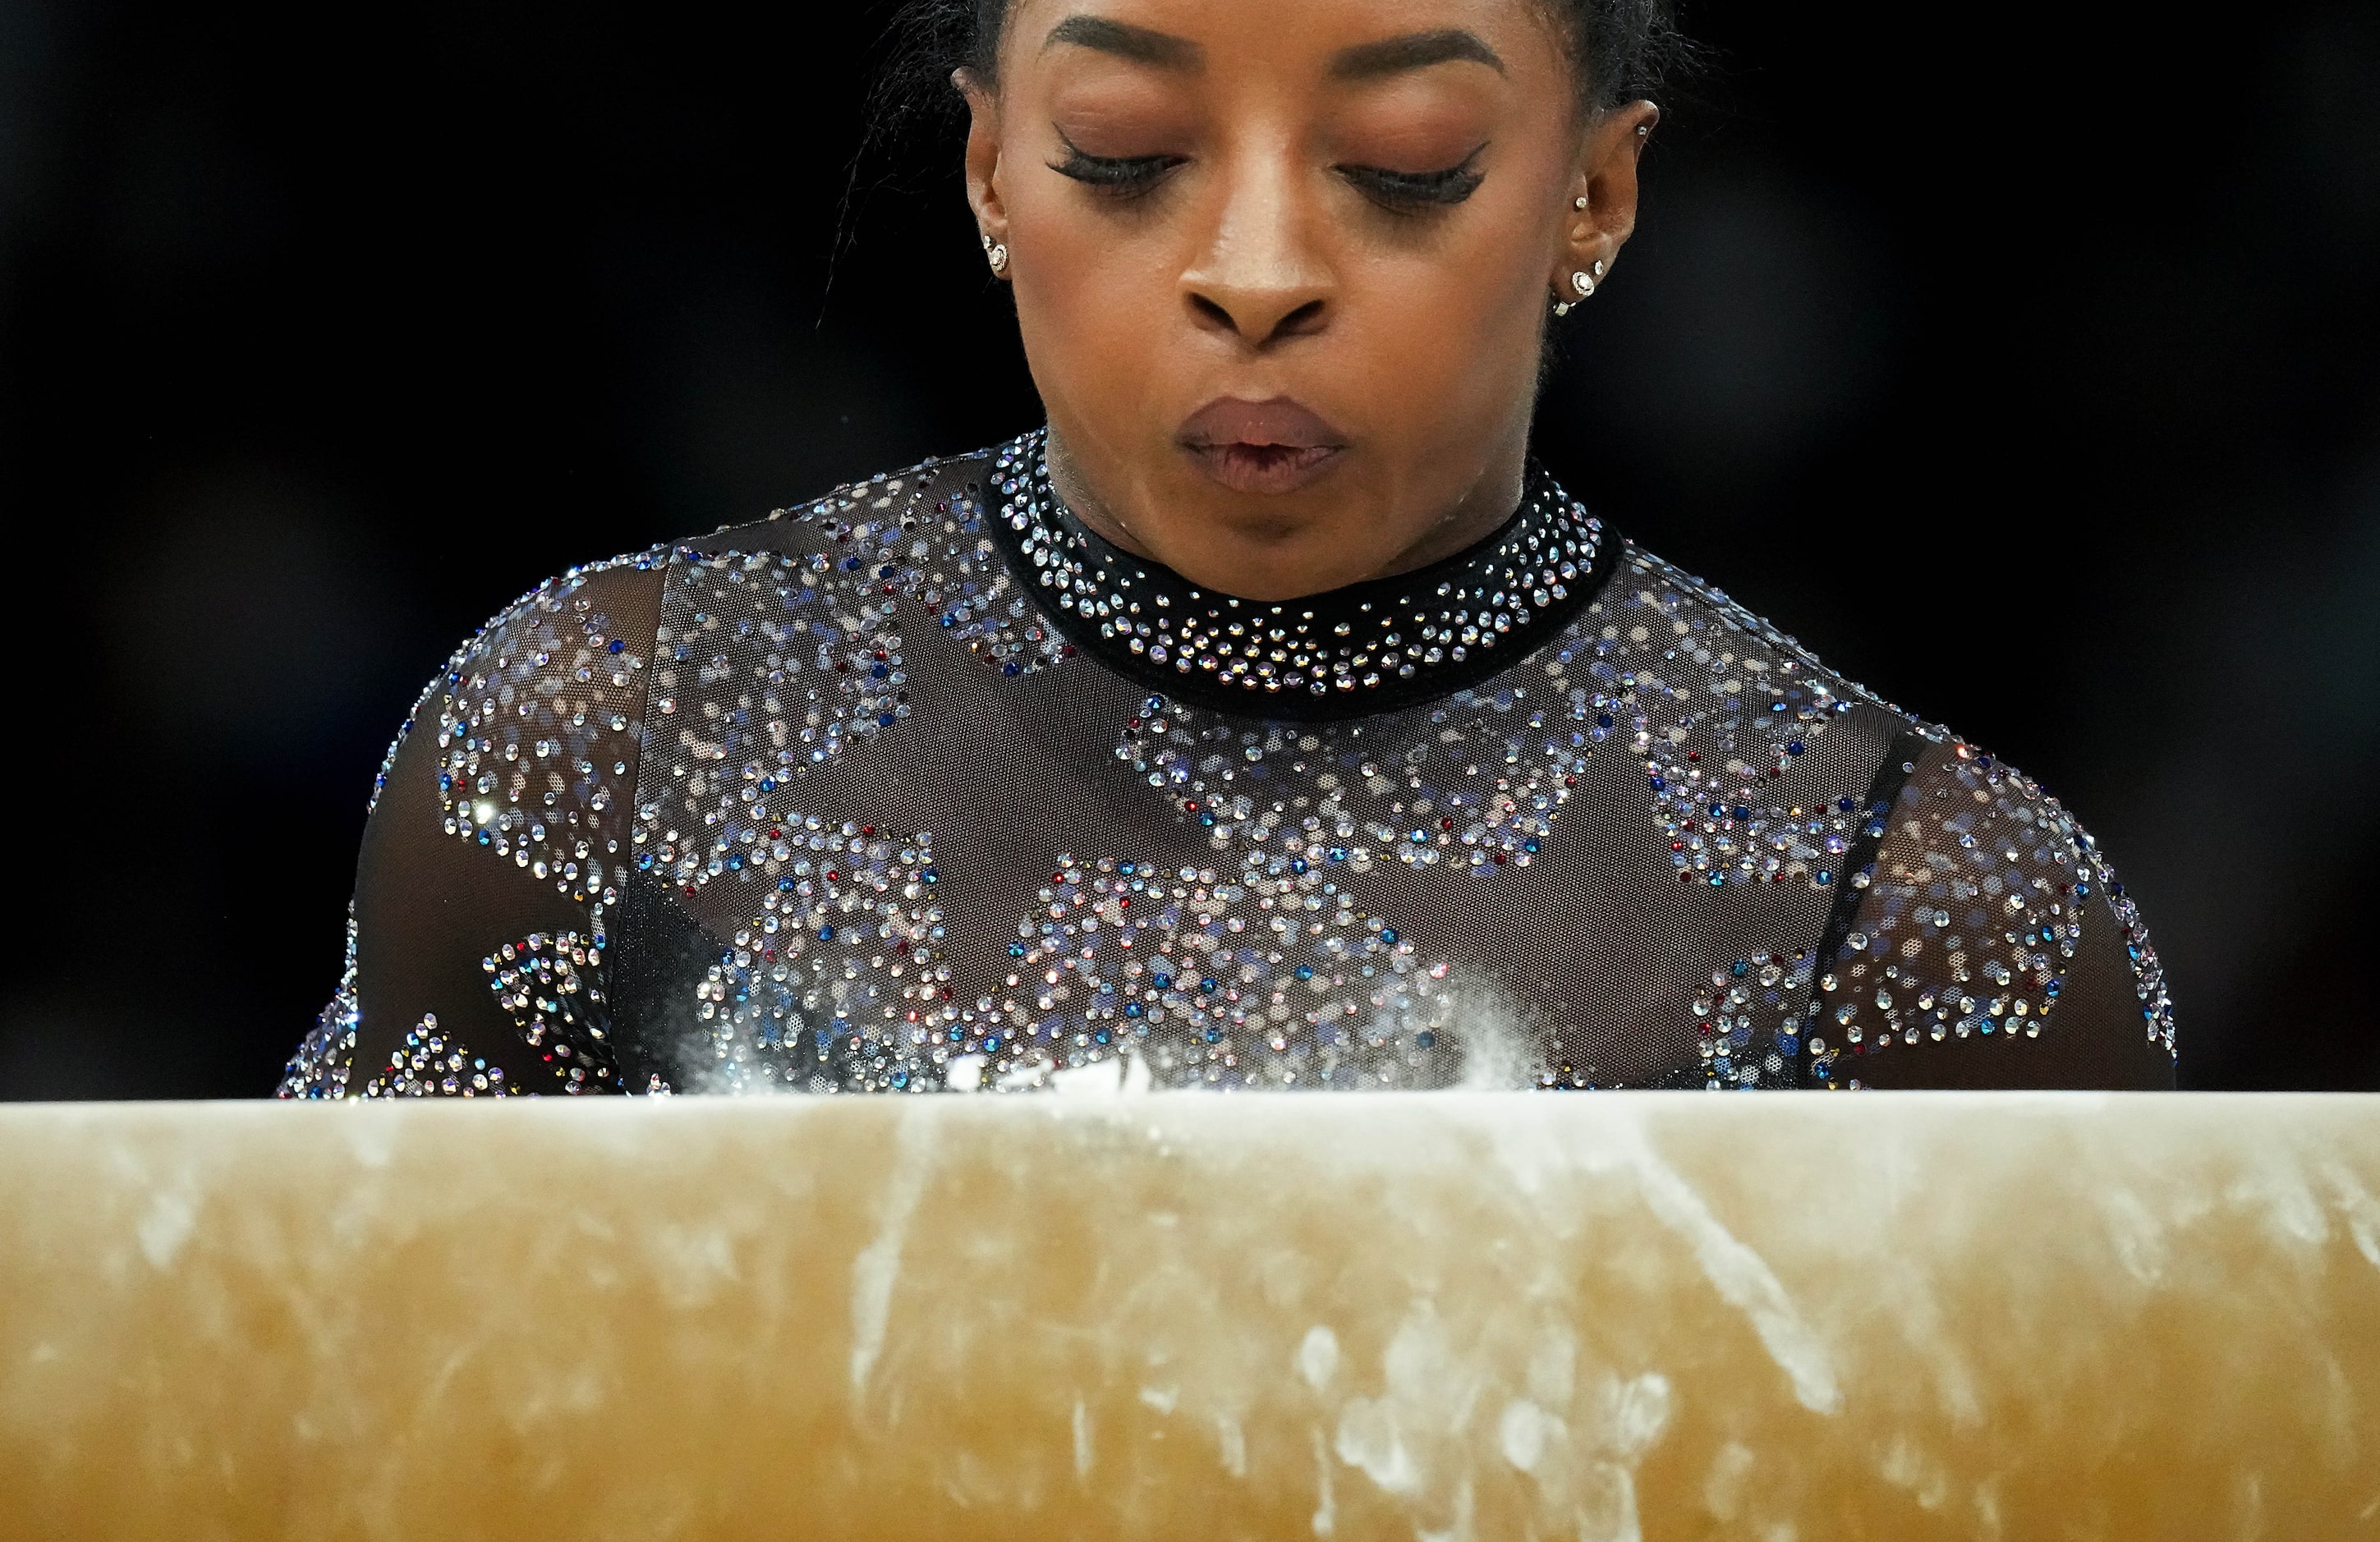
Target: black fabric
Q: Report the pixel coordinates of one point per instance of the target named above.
(834, 801)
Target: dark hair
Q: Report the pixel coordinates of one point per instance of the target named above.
(1621, 50)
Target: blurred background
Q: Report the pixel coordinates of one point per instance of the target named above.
(2029, 373)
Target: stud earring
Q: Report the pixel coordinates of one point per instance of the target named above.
(1599, 267)
(1584, 283)
(996, 255)
(1578, 204)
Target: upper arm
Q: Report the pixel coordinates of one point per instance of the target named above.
(498, 840)
(1991, 946)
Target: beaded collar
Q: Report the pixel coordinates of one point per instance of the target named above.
(1374, 647)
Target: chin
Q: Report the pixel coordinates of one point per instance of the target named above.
(1271, 557)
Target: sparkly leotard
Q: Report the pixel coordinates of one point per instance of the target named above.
(924, 786)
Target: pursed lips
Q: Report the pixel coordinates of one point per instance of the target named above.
(1272, 446)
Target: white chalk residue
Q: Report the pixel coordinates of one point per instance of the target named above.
(1318, 1356)
(1607, 1511)
(1522, 1431)
(964, 1074)
(370, 1141)
(1162, 1399)
(1082, 1439)
(1636, 1411)
(1744, 1280)
(170, 1219)
(1232, 1444)
(1905, 1465)
(1531, 1152)
(1460, 1530)
(1126, 1075)
(2362, 1212)
(690, 1263)
(879, 1264)
(2278, 1193)
(1431, 1393)
(2136, 1234)
(1425, 1373)
(1101, 1078)
(1030, 1076)
(1369, 1438)
(1987, 1510)
(1723, 1485)
(1492, 1036)
(1326, 1508)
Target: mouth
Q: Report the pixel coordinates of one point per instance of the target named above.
(1267, 447)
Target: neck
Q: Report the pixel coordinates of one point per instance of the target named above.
(1279, 564)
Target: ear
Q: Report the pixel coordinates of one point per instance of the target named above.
(1602, 194)
(983, 156)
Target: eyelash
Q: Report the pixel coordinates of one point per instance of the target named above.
(1114, 175)
(1413, 191)
(1399, 191)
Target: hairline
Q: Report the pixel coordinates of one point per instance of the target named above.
(1587, 90)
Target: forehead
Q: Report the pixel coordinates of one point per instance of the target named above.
(1318, 37)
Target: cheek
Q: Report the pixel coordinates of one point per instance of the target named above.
(1459, 327)
(1092, 295)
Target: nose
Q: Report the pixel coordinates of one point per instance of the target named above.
(1257, 276)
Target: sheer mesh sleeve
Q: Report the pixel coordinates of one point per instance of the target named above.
(1987, 944)
(496, 845)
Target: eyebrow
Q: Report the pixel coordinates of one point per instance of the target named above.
(1126, 42)
(1369, 61)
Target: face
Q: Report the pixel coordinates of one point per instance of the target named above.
(1282, 270)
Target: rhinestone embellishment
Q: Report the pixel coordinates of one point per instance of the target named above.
(1369, 647)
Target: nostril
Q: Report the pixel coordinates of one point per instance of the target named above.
(1300, 320)
(1251, 321)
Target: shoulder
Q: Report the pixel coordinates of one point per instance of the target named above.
(592, 629)
(1762, 761)
(563, 622)
(552, 632)
(1971, 904)
(612, 606)
(601, 619)
(1671, 617)
(877, 510)
(1992, 914)
(536, 718)
(848, 575)
(579, 641)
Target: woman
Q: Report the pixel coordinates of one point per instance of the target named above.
(1269, 720)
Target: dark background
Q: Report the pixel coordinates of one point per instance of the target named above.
(2026, 371)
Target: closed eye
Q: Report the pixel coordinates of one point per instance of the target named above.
(1114, 175)
(1412, 191)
